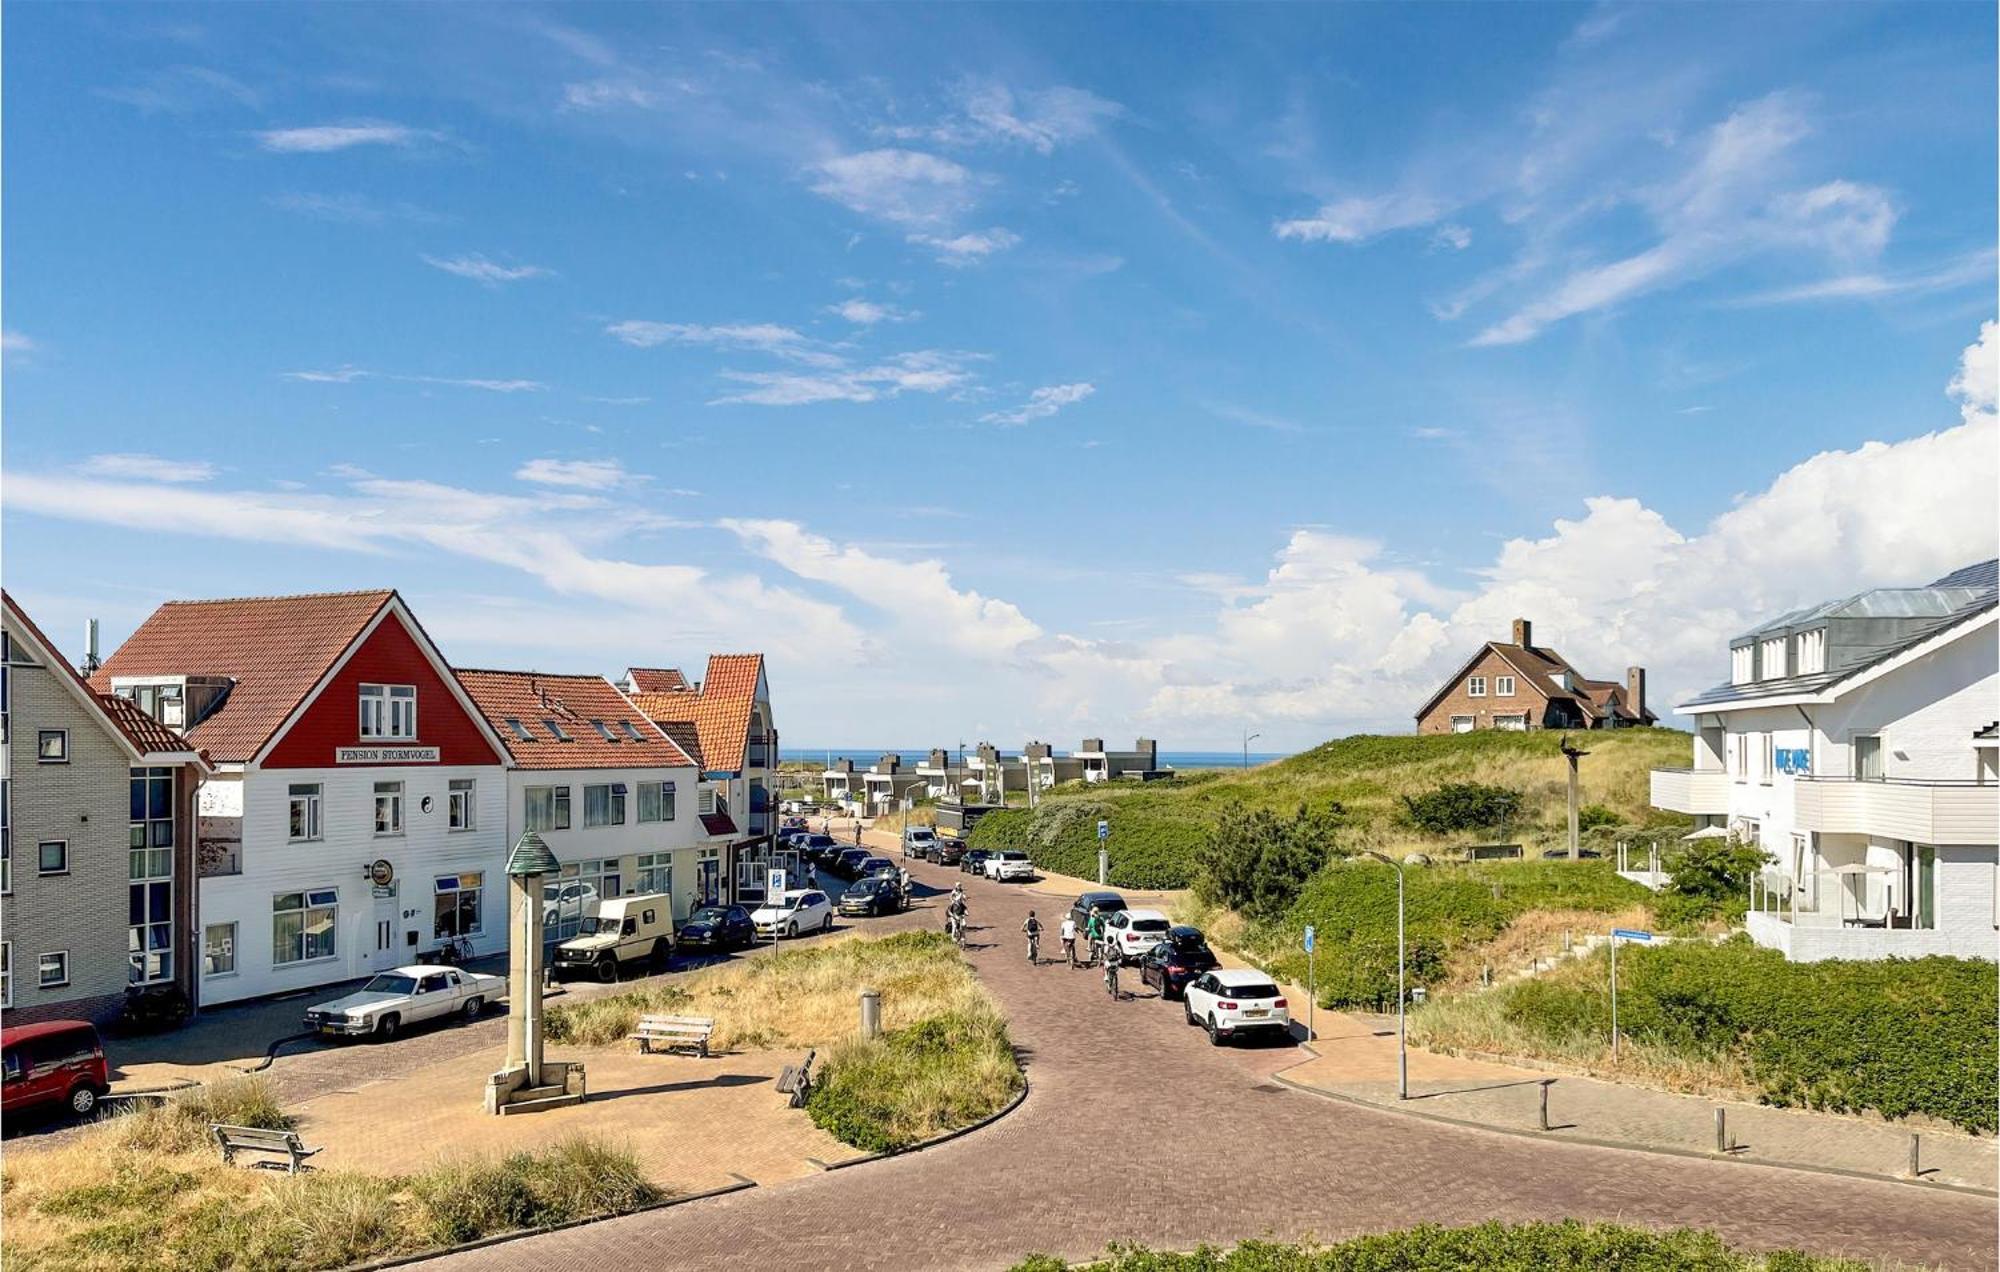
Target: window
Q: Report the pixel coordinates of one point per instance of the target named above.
(631, 732)
(6, 843)
(459, 805)
(1515, 723)
(555, 730)
(52, 746)
(52, 857)
(656, 871)
(1773, 655)
(656, 801)
(303, 925)
(520, 730)
(218, 949)
(149, 921)
(6, 973)
(546, 808)
(1475, 687)
(1742, 661)
(1868, 758)
(604, 805)
(1766, 759)
(704, 800)
(456, 911)
(1737, 756)
(603, 731)
(52, 969)
(388, 808)
(1809, 652)
(389, 711)
(1503, 686)
(303, 822)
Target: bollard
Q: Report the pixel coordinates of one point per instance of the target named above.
(1486, 974)
(1916, 1172)
(871, 1013)
(1721, 1131)
(1566, 945)
(1546, 1084)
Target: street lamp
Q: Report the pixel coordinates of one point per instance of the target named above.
(1248, 738)
(1402, 1009)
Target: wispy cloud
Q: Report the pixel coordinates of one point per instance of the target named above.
(923, 371)
(759, 337)
(325, 138)
(16, 347)
(339, 375)
(903, 187)
(617, 401)
(1358, 218)
(866, 313)
(350, 374)
(1975, 268)
(1253, 419)
(181, 90)
(135, 466)
(988, 111)
(1041, 404)
(350, 209)
(479, 269)
(578, 474)
(969, 248)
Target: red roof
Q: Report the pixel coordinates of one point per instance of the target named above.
(718, 824)
(656, 679)
(578, 705)
(719, 712)
(275, 649)
(146, 735)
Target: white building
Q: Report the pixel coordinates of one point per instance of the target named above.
(357, 815)
(610, 793)
(1856, 743)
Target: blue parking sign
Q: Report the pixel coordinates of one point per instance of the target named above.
(1309, 938)
(1103, 829)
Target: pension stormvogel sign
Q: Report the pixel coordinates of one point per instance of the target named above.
(385, 755)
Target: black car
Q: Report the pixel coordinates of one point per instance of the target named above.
(1172, 963)
(948, 852)
(873, 865)
(818, 849)
(875, 895)
(1090, 903)
(974, 861)
(848, 861)
(717, 928)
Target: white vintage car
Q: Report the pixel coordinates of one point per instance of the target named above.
(393, 1001)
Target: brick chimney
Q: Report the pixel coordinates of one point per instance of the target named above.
(1524, 633)
(1635, 690)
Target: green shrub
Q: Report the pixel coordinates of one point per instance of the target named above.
(1708, 879)
(1463, 806)
(1153, 842)
(1256, 861)
(1593, 816)
(939, 1074)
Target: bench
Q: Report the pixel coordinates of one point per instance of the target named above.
(257, 1139)
(671, 1033)
(795, 1080)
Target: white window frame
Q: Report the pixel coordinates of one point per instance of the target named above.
(558, 812)
(389, 712)
(313, 796)
(1809, 657)
(1503, 686)
(1767, 759)
(42, 980)
(392, 792)
(42, 871)
(306, 908)
(458, 889)
(1475, 686)
(1768, 652)
(232, 943)
(42, 737)
(1742, 664)
(654, 872)
(149, 868)
(1506, 721)
(462, 804)
(614, 805)
(663, 794)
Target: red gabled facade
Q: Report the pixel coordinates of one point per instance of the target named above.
(391, 655)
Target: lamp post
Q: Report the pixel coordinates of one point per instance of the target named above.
(1402, 998)
(1248, 738)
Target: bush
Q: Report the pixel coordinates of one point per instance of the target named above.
(181, 1123)
(1463, 806)
(1709, 879)
(936, 1075)
(1256, 861)
(1154, 843)
(1593, 816)
(1569, 1246)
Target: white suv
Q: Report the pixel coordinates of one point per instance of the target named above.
(1233, 1000)
(1009, 863)
(795, 911)
(1135, 931)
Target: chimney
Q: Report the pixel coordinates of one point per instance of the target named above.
(1149, 753)
(1524, 633)
(1635, 690)
(91, 662)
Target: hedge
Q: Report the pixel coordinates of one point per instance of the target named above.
(1898, 1036)
(1150, 848)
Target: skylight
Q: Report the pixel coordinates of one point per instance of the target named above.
(603, 731)
(520, 730)
(556, 729)
(630, 732)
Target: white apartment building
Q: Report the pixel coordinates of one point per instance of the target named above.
(1856, 743)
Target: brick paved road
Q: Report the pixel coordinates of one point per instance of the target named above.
(1231, 1155)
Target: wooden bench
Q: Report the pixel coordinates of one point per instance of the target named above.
(257, 1139)
(671, 1033)
(795, 1080)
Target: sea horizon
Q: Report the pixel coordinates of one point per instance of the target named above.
(864, 756)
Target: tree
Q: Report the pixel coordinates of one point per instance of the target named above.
(1711, 879)
(1257, 861)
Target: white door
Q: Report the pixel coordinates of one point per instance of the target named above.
(385, 934)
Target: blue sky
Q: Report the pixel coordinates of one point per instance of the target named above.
(1011, 371)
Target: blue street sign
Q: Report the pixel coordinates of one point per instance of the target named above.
(1630, 934)
(1103, 829)
(1309, 938)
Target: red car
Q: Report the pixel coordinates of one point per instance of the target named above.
(53, 1062)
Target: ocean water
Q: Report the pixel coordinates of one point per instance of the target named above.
(910, 759)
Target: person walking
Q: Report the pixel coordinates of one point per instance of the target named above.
(1033, 927)
(1068, 933)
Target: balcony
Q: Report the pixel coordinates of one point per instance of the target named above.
(1896, 808)
(1695, 791)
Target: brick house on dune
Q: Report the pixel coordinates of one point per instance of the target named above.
(1518, 684)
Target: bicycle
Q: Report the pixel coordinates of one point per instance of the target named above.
(1034, 948)
(1111, 978)
(456, 951)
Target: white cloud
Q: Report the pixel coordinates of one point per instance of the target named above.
(481, 270)
(1455, 237)
(903, 187)
(348, 375)
(1358, 218)
(141, 467)
(323, 138)
(866, 313)
(1041, 404)
(578, 474)
(923, 371)
(14, 346)
(1040, 119)
(764, 337)
(349, 209)
(1975, 268)
(339, 375)
(1978, 369)
(968, 248)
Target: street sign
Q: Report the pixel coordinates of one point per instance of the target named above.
(774, 882)
(1103, 829)
(1630, 934)
(1309, 938)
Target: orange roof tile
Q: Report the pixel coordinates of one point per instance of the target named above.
(719, 712)
(146, 735)
(275, 649)
(656, 679)
(578, 704)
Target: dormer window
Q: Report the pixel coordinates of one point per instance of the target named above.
(389, 711)
(1773, 655)
(1742, 665)
(520, 730)
(1809, 652)
(631, 733)
(555, 730)
(603, 731)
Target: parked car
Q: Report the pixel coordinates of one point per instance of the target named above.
(1232, 1001)
(875, 895)
(53, 1064)
(624, 930)
(1135, 931)
(1089, 903)
(820, 849)
(1172, 963)
(1008, 863)
(948, 852)
(717, 928)
(796, 910)
(848, 861)
(561, 898)
(394, 1000)
(974, 861)
(919, 841)
(872, 865)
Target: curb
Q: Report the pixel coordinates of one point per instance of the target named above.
(1622, 1145)
(501, 1238)
(935, 1141)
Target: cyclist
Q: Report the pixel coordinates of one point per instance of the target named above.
(954, 918)
(1033, 927)
(1093, 929)
(1111, 960)
(1068, 934)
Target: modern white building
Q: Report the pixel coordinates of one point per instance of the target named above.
(1855, 742)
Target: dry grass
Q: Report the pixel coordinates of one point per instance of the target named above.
(1535, 934)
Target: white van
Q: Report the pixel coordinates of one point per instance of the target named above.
(623, 930)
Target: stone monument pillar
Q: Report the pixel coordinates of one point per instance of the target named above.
(524, 1080)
